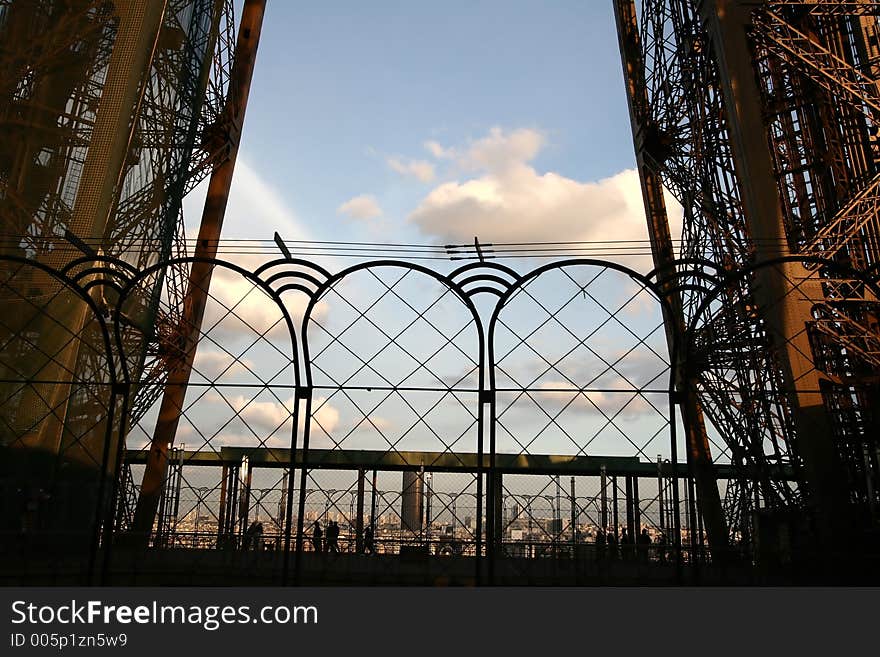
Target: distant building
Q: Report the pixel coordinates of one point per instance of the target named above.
(412, 511)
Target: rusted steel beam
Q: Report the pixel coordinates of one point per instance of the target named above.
(200, 275)
(699, 454)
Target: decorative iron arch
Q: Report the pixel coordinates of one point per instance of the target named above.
(79, 284)
(464, 298)
(90, 278)
(275, 297)
(645, 283)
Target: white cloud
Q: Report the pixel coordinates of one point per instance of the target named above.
(438, 151)
(211, 364)
(255, 208)
(325, 415)
(238, 309)
(362, 207)
(624, 404)
(381, 423)
(420, 169)
(274, 418)
(509, 201)
(499, 151)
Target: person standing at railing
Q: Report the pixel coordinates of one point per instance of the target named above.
(626, 543)
(333, 537)
(661, 548)
(644, 545)
(250, 536)
(368, 540)
(317, 536)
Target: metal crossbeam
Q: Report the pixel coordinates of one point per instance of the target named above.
(826, 69)
(830, 7)
(852, 336)
(862, 211)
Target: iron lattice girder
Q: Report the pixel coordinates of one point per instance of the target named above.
(830, 7)
(686, 110)
(862, 211)
(856, 338)
(216, 132)
(814, 60)
(684, 135)
(218, 129)
(853, 228)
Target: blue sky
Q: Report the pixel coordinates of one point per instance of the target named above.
(494, 114)
(431, 123)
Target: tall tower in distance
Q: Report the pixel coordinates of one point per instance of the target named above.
(761, 119)
(412, 501)
(106, 115)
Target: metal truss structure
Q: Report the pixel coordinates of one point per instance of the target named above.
(145, 408)
(109, 115)
(530, 416)
(760, 119)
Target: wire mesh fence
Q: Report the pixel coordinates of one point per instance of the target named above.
(473, 425)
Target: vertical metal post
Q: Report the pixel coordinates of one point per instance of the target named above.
(614, 503)
(420, 504)
(232, 495)
(498, 511)
(557, 519)
(178, 475)
(692, 512)
(660, 500)
(663, 254)
(454, 518)
(221, 516)
(359, 512)
(373, 505)
(158, 537)
(282, 501)
(200, 275)
(700, 521)
(529, 512)
(487, 403)
(234, 501)
(637, 511)
(573, 505)
(429, 480)
(630, 519)
(604, 507)
(244, 510)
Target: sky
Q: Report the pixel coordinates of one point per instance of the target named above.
(434, 123)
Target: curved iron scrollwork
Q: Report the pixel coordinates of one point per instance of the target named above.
(302, 375)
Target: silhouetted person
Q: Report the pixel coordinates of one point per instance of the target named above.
(644, 544)
(600, 543)
(368, 540)
(626, 543)
(612, 545)
(249, 536)
(317, 535)
(333, 537)
(661, 548)
(258, 536)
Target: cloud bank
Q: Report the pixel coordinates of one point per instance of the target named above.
(505, 199)
(362, 207)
